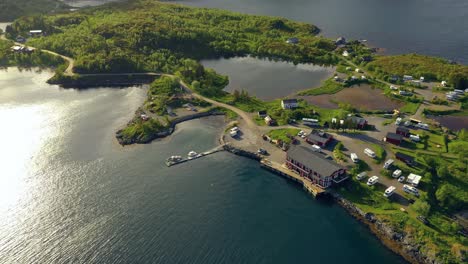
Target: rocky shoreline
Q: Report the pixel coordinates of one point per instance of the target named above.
(167, 131)
(399, 242)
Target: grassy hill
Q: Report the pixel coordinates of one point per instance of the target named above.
(12, 9)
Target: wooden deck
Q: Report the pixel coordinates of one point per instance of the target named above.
(283, 171)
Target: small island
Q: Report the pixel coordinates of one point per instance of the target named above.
(375, 116)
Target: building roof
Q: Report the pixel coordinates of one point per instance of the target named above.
(394, 136)
(403, 129)
(289, 101)
(313, 160)
(357, 120)
(321, 137)
(414, 179)
(404, 156)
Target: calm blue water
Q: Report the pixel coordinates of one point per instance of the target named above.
(247, 73)
(70, 194)
(431, 27)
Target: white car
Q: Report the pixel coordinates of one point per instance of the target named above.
(300, 133)
(361, 176)
(316, 148)
(372, 180)
(401, 179)
(398, 121)
(411, 190)
(354, 157)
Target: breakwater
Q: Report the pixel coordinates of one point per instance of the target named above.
(102, 80)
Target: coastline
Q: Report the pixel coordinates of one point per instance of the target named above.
(397, 242)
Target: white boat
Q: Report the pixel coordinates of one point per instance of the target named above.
(192, 154)
(389, 191)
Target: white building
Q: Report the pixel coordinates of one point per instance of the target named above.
(289, 103)
(413, 179)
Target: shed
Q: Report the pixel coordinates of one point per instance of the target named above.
(403, 131)
(405, 158)
(393, 138)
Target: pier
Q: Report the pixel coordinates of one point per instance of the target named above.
(282, 171)
(219, 148)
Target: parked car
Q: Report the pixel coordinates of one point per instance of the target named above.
(361, 176)
(401, 179)
(388, 163)
(354, 157)
(411, 190)
(389, 191)
(262, 151)
(369, 152)
(316, 148)
(396, 173)
(422, 219)
(398, 121)
(372, 180)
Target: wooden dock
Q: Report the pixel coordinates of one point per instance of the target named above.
(200, 155)
(280, 170)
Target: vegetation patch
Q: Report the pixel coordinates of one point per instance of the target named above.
(283, 134)
(431, 68)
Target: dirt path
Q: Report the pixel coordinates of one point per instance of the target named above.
(71, 62)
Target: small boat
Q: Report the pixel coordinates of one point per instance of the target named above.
(192, 154)
(174, 160)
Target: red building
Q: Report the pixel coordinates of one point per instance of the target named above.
(314, 166)
(393, 138)
(360, 122)
(319, 138)
(403, 131)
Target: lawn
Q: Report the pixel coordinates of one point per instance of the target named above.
(330, 86)
(380, 153)
(410, 108)
(282, 134)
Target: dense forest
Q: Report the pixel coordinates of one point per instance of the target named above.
(12, 9)
(28, 59)
(146, 35)
(430, 68)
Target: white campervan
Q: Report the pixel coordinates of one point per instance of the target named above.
(389, 191)
(369, 152)
(354, 157)
(388, 163)
(372, 180)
